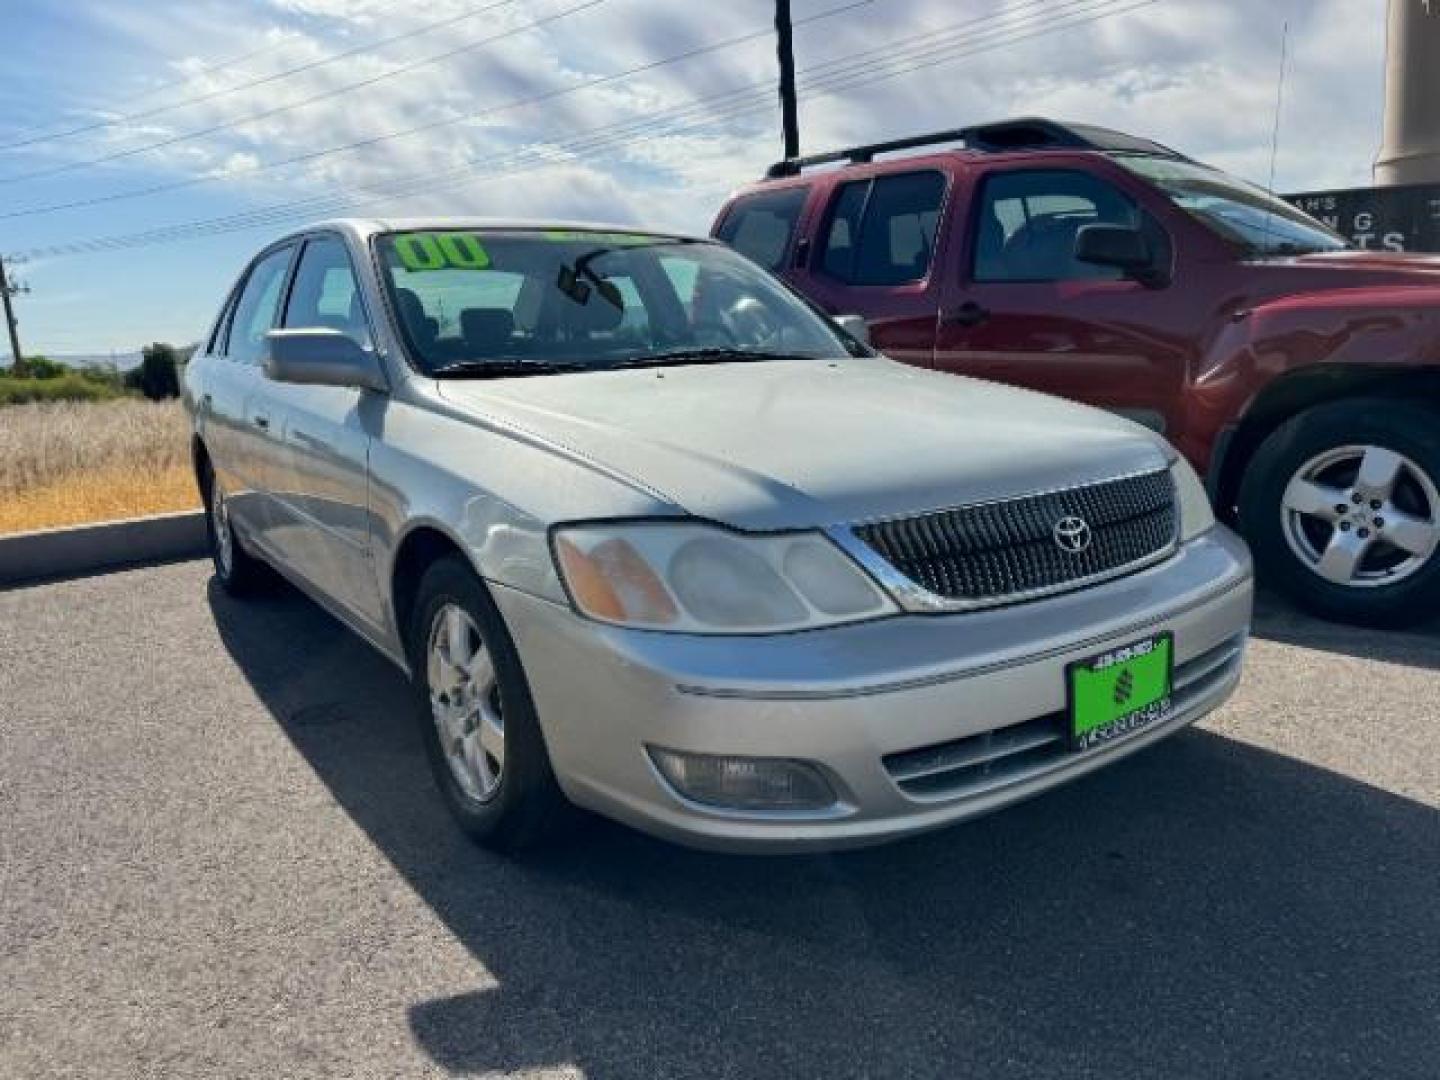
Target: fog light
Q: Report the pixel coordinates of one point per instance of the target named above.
(743, 783)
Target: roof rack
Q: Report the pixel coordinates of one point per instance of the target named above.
(1030, 133)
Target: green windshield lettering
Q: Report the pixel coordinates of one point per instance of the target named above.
(420, 252)
(580, 236)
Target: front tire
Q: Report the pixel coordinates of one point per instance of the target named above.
(476, 715)
(1341, 506)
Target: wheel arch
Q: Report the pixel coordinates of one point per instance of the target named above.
(1292, 394)
(421, 547)
(200, 463)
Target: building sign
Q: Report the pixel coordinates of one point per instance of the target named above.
(1379, 219)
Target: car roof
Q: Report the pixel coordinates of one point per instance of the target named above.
(364, 228)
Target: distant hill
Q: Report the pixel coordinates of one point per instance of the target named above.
(122, 361)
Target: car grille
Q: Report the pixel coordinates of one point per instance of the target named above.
(1000, 552)
(981, 763)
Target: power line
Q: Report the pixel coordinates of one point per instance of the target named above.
(277, 110)
(205, 68)
(602, 139)
(433, 125)
(264, 80)
(886, 54)
(597, 140)
(935, 38)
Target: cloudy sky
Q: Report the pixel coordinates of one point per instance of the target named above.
(194, 115)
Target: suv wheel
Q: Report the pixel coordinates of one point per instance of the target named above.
(239, 572)
(476, 715)
(1342, 507)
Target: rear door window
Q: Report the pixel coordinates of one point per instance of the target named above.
(761, 226)
(882, 231)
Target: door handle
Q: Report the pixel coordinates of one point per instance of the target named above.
(262, 422)
(968, 314)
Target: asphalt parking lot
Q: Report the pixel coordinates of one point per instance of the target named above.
(221, 855)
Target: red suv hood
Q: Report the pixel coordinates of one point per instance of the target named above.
(1358, 268)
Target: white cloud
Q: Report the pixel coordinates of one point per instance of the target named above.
(1197, 74)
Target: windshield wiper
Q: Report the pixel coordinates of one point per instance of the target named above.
(676, 357)
(500, 369)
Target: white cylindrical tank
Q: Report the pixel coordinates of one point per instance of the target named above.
(1411, 154)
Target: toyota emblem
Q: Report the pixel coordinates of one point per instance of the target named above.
(1073, 534)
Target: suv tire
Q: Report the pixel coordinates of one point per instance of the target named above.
(239, 573)
(476, 714)
(1341, 505)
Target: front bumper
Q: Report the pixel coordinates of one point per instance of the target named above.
(918, 721)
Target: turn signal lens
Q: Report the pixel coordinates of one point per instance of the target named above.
(1196, 516)
(611, 581)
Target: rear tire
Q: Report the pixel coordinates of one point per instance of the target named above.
(239, 573)
(476, 715)
(1341, 506)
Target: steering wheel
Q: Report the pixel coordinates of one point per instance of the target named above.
(750, 321)
(712, 333)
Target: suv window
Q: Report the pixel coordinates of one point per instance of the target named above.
(255, 311)
(1028, 221)
(760, 226)
(882, 231)
(325, 293)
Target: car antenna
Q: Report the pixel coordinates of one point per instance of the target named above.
(1275, 130)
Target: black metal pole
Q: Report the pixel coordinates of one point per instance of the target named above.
(789, 113)
(11, 323)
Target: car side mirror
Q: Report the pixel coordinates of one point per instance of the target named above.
(1119, 246)
(322, 357)
(855, 326)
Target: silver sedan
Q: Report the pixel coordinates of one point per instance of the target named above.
(651, 536)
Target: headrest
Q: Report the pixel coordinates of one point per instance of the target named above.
(412, 313)
(486, 328)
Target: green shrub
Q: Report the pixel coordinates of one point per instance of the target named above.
(157, 377)
(38, 367)
(71, 386)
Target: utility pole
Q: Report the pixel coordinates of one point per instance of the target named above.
(7, 291)
(789, 113)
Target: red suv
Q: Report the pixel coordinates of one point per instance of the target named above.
(1301, 377)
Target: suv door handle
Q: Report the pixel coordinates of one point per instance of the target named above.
(262, 422)
(968, 314)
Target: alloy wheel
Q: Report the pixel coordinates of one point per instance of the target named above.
(465, 702)
(1361, 516)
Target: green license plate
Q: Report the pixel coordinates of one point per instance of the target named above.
(1120, 691)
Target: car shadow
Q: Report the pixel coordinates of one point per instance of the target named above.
(1204, 909)
(1276, 619)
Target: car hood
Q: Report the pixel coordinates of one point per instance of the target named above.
(795, 444)
(1349, 269)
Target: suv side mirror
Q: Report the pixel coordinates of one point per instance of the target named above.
(322, 357)
(855, 326)
(1118, 246)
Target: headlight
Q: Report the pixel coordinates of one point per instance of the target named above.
(699, 579)
(1196, 516)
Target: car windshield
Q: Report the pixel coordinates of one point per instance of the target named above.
(477, 302)
(1242, 213)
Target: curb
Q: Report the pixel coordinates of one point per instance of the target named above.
(86, 549)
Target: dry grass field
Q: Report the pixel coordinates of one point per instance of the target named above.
(69, 463)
